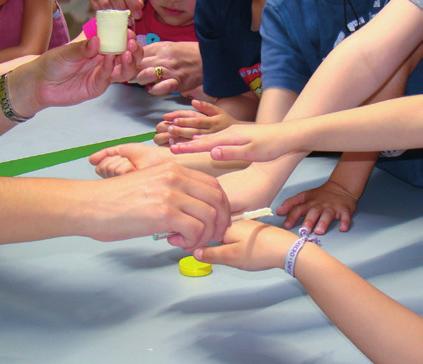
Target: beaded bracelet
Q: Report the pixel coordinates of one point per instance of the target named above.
(293, 252)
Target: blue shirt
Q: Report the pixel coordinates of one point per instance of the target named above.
(227, 45)
(298, 34)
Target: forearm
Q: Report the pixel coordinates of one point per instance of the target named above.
(202, 162)
(381, 328)
(274, 105)
(12, 55)
(353, 171)
(360, 55)
(22, 99)
(242, 107)
(15, 63)
(35, 209)
(393, 124)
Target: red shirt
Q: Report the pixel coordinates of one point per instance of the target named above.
(150, 24)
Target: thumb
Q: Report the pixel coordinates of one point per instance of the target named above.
(96, 158)
(231, 153)
(223, 254)
(82, 50)
(207, 108)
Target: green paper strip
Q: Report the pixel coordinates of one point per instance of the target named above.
(36, 162)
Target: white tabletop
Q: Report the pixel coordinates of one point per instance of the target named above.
(74, 300)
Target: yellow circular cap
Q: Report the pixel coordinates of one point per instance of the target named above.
(191, 267)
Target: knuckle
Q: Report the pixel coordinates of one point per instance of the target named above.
(165, 211)
(167, 196)
(198, 231)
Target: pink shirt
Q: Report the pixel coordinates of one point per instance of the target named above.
(11, 19)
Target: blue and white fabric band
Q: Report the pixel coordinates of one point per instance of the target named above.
(295, 249)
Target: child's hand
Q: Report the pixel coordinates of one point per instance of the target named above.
(116, 161)
(320, 206)
(114, 166)
(256, 143)
(162, 137)
(199, 94)
(183, 125)
(250, 245)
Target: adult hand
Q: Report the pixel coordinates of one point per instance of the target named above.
(251, 246)
(127, 65)
(256, 143)
(182, 125)
(181, 65)
(161, 198)
(64, 76)
(126, 158)
(135, 6)
(320, 206)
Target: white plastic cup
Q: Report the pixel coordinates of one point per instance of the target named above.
(112, 30)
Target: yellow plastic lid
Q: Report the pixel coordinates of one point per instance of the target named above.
(191, 267)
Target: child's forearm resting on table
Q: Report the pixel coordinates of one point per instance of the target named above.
(380, 327)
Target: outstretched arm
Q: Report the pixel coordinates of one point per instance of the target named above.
(380, 327)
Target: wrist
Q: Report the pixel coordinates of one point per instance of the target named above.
(279, 241)
(22, 87)
(300, 135)
(353, 194)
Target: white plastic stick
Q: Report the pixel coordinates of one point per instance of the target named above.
(249, 215)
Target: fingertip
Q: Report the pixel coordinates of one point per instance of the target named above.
(177, 240)
(343, 228)
(132, 46)
(319, 231)
(127, 57)
(287, 224)
(95, 158)
(198, 254)
(217, 153)
(280, 211)
(195, 103)
(175, 147)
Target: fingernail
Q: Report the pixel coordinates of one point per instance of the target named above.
(171, 141)
(198, 254)
(171, 129)
(137, 14)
